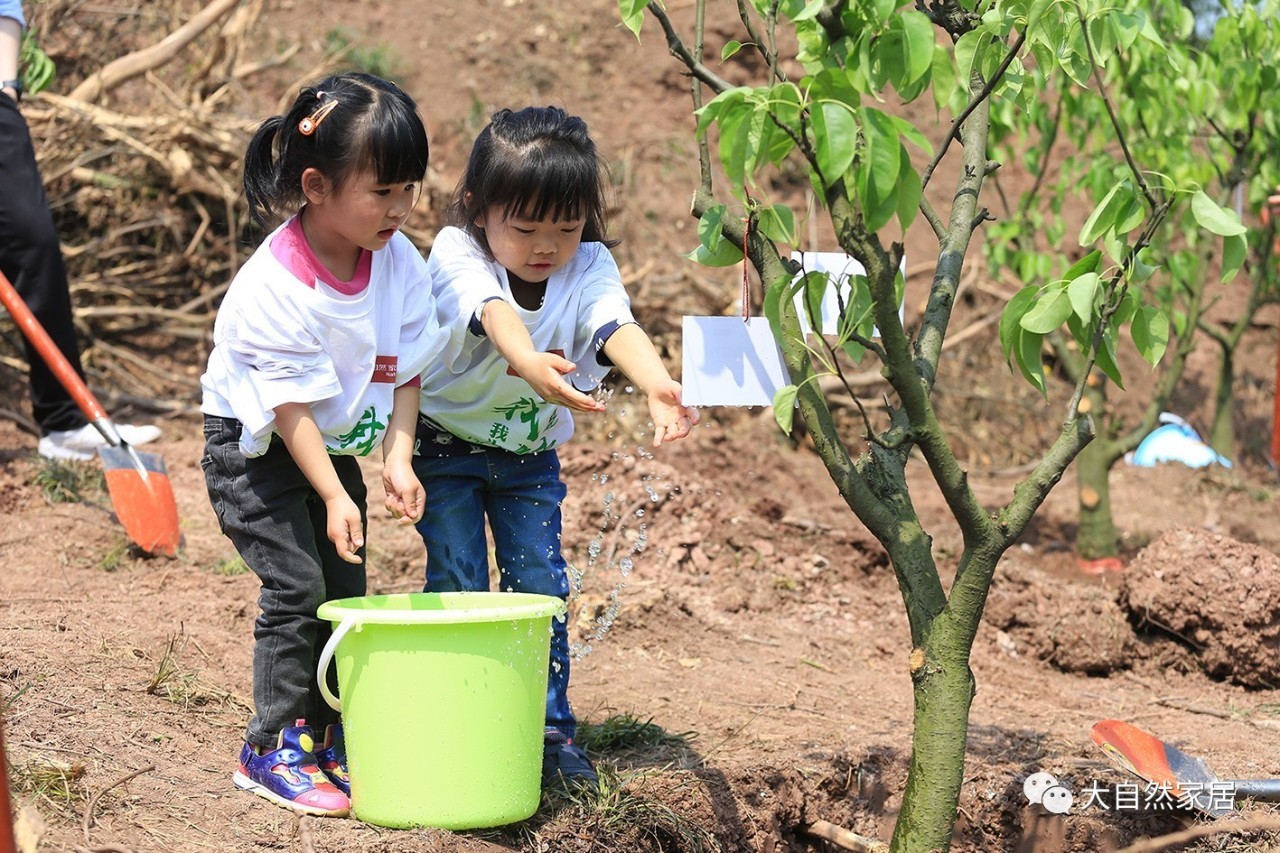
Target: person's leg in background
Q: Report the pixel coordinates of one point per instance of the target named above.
(31, 258)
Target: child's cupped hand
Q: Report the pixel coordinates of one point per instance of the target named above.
(545, 372)
(672, 419)
(406, 499)
(345, 527)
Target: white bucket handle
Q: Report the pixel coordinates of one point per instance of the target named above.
(326, 655)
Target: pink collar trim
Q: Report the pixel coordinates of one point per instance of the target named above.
(290, 247)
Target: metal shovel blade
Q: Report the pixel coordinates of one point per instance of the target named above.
(143, 498)
(137, 482)
(1187, 777)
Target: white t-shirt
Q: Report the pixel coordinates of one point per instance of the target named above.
(289, 332)
(471, 390)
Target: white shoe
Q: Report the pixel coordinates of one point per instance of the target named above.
(82, 444)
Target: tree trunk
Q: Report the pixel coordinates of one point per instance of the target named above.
(944, 688)
(1097, 537)
(1222, 433)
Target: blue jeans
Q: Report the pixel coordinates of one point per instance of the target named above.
(276, 521)
(521, 496)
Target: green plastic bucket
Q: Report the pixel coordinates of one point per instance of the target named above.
(443, 704)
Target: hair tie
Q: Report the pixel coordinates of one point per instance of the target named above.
(309, 124)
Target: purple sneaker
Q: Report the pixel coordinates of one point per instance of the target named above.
(289, 776)
(333, 758)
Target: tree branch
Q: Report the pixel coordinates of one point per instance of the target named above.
(678, 50)
(1111, 112)
(983, 94)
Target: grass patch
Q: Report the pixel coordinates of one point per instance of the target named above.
(183, 687)
(115, 555)
(62, 481)
(627, 733)
(344, 46)
(57, 782)
(230, 567)
(621, 815)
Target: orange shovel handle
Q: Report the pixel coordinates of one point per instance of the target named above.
(8, 843)
(62, 369)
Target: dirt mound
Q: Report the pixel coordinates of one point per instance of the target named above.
(1215, 594)
(1076, 627)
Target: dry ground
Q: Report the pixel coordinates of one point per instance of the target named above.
(758, 620)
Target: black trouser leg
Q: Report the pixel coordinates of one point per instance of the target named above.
(31, 258)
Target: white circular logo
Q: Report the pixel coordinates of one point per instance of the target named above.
(1037, 784)
(1057, 799)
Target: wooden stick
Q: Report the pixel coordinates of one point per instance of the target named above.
(842, 837)
(140, 62)
(93, 801)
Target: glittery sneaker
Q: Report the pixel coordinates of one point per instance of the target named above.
(289, 776)
(333, 758)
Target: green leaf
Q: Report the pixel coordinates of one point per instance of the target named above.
(1029, 360)
(632, 12)
(1104, 215)
(725, 256)
(944, 79)
(969, 50)
(38, 69)
(729, 49)
(1011, 318)
(918, 45)
(1091, 262)
(1049, 312)
(816, 284)
(912, 134)
(784, 407)
(1150, 333)
(711, 227)
(778, 223)
(1106, 358)
(1213, 218)
(809, 12)
(1141, 269)
(1234, 250)
(836, 139)
(1082, 292)
(910, 192)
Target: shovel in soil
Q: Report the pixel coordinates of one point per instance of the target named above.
(1186, 778)
(138, 483)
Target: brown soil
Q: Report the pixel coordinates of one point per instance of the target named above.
(728, 594)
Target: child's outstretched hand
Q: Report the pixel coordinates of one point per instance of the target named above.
(345, 527)
(545, 372)
(406, 499)
(671, 418)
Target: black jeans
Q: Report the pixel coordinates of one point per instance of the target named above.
(31, 258)
(276, 521)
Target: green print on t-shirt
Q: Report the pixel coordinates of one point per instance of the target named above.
(527, 410)
(365, 433)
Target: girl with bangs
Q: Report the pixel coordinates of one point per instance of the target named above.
(536, 314)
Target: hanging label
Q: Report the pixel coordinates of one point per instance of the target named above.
(730, 362)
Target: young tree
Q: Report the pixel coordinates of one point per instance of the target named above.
(973, 57)
(1215, 127)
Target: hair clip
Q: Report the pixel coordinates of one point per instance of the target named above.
(309, 124)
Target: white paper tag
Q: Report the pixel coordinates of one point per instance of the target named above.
(729, 362)
(840, 268)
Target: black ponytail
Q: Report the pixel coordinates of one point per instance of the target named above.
(342, 125)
